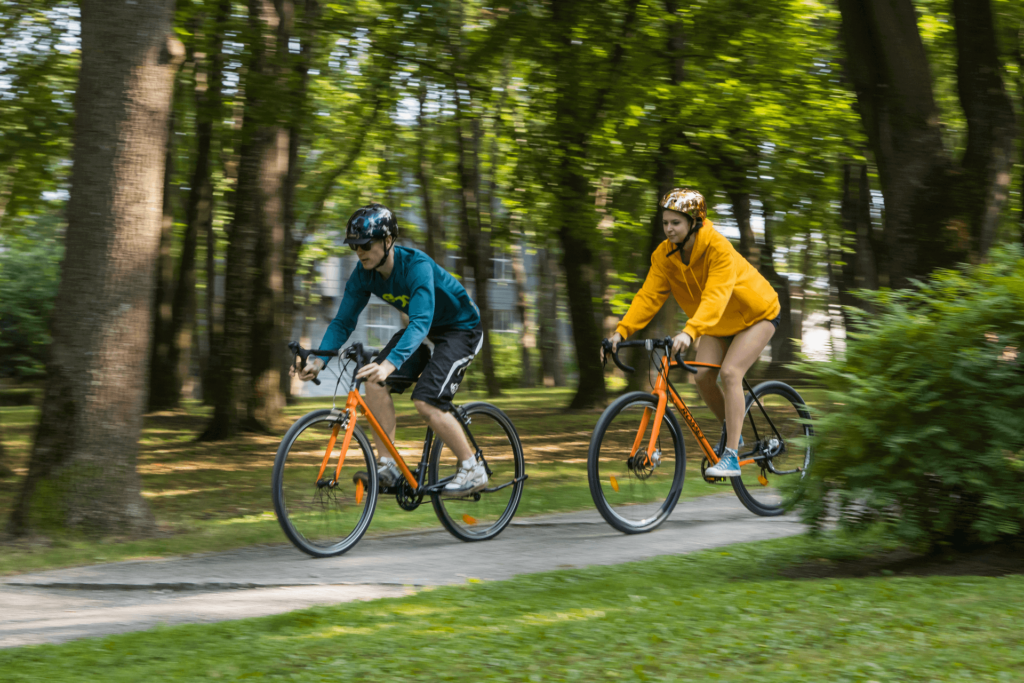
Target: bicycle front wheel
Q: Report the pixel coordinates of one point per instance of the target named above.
(483, 515)
(634, 488)
(776, 447)
(320, 519)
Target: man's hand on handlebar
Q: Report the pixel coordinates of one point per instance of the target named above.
(314, 364)
(680, 343)
(614, 340)
(376, 372)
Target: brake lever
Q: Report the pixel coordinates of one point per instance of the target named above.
(303, 355)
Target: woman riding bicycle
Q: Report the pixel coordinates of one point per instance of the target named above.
(729, 304)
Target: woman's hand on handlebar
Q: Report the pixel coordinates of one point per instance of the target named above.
(615, 339)
(680, 343)
(314, 364)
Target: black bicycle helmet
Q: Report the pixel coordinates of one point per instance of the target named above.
(372, 222)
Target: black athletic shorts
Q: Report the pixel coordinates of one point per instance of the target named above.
(437, 375)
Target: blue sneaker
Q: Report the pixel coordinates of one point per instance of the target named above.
(728, 466)
(715, 449)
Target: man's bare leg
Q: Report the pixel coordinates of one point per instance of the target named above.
(382, 406)
(447, 428)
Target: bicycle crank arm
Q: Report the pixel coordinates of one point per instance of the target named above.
(771, 468)
(436, 488)
(507, 484)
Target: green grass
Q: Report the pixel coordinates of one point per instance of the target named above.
(718, 615)
(216, 496)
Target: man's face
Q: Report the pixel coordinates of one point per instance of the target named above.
(370, 254)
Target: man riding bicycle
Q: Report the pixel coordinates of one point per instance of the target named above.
(439, 309)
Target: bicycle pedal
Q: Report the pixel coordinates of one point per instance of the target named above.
(716, 480)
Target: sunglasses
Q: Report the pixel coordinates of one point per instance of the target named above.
(362, 247)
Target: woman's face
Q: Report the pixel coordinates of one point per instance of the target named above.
(676, 225)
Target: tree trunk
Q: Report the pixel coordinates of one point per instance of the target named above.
(937, 212)
(782, 343)
(664, 178)
(741, 212)
(1020, 98)
(435, 230)
(268, 341)
(547, 322)
(802, 291)
(164, 391)
(573, 211)
(5, 470)
(247, 385)
(292, 245)
(991, 123)
(211, 109)
(529, 339)
(476, 241)
(664, 181)
(859, 270)
(82, 472)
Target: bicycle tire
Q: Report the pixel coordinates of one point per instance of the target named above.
(790, 415)
(660, 501)
(479, 519)
(320, 522)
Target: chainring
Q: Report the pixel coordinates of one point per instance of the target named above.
(406, 497)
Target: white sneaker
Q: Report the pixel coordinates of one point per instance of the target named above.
(472, 477)
(388, 472)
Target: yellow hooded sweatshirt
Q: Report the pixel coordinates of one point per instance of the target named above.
(720, 291)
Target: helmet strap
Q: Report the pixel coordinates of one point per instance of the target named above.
(697, 224)
(387, 251)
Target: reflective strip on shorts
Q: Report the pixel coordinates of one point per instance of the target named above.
(461, 363)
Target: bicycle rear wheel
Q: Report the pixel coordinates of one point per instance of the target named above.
(776, 442)
(321, 520)
(634, 490)
(484, 515)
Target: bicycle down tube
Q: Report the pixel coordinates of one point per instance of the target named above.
(663, 389)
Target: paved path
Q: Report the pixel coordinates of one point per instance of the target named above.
(60, 605)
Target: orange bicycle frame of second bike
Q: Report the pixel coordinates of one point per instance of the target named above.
(664, 390)
(355, 401)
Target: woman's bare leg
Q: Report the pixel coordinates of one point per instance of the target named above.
(744, 350)
(711, 350)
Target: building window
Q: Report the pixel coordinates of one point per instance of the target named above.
(502, 321)
(503, 269)
(380, 324)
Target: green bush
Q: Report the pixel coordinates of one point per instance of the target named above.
(924, 428)
(29, 268)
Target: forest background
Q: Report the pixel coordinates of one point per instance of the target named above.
(150, 150)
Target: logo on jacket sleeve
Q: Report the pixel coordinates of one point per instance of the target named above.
(403, 299)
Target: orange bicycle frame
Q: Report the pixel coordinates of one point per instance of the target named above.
(663, 390)
(355, 401)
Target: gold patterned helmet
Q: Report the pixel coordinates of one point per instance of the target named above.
(685, 200)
